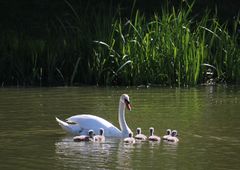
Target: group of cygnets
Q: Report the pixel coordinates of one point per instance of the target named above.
(170, 136)
(91, 136)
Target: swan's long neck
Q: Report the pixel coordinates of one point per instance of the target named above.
(122, 121)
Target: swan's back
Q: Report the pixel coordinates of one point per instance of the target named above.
(87, 122)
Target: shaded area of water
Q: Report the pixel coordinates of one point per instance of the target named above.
(207, 119)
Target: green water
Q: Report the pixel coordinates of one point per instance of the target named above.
(207, 119)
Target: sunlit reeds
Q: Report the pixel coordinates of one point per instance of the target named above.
(172, 47)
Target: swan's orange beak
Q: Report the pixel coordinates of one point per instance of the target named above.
(128, 105)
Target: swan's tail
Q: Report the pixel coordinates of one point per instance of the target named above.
(61, 123)
(72, 129)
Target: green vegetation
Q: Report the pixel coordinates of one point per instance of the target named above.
(171, 47)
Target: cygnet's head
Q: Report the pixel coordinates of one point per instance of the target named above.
(90, 133)
(139, 131)
(130, 135)
(101, 131)
(151, 129)
(174, 133)
(168, 131)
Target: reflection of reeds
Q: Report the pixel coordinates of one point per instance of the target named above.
(169, 48)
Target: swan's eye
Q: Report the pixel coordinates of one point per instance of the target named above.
(126, 101)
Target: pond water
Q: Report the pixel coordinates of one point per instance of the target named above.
(207, 119)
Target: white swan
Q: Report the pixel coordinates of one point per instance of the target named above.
(80, 124)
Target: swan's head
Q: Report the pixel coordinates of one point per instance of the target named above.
(174, 133)
(125, 100)
(151, 129)
(138, 130)
(101, 131)
(168, 131)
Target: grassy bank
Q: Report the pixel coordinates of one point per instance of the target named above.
(172, 47)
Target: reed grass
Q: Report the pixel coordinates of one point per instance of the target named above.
(171, 47)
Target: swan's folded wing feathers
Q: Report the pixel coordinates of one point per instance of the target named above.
(87, 122)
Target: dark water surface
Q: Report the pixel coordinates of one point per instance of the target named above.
(207, 119)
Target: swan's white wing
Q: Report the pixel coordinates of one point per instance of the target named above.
(70, 128)
(87, 122)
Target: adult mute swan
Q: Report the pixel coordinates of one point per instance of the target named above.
(80, 124)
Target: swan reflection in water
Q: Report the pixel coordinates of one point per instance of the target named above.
(114, 153)
(82, 154)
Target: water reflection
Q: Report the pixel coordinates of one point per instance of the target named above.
(82, 154)
(206, 117)
(113, 153)
(124, 155)
(170, 147)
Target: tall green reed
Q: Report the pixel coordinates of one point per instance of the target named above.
(172, 47)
